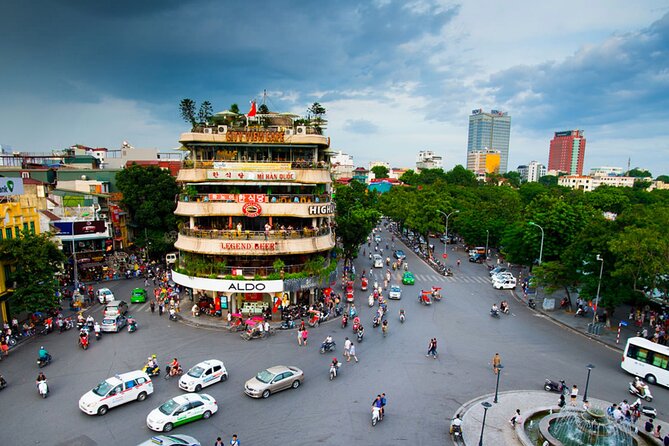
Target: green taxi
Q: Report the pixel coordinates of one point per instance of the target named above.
(138, 296)
(408, 278)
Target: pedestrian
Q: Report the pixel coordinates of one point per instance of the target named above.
(302, 327)
(496, 362)
(351, 352)
(561, 402)
(299, 336)
(648, 427)
(218, 442)
(195, 310)
(657, 433)
(161, 308)
(458, 263)
(235, 441)
(305, 335)
(516, 419)
(153, 306)
(666, 440)
(347, 349)
(574, 394)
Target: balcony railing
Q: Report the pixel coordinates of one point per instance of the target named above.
(296, 164)
(273, 198)
(274, 234)
(246, 271)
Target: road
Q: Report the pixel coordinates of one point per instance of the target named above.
(422, 392)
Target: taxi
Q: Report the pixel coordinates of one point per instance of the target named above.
(138, 296)
(408, 278)
(180, 410)
(117, 390)
(171, 440)
(202, 375)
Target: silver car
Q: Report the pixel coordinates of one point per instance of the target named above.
(272, 380)
(113, 324)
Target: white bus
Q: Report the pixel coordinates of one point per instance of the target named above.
(647, 360)
(378, 261)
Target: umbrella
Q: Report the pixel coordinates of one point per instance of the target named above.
(236, 314)
(249, 321)
(257, 318)
(226, 113)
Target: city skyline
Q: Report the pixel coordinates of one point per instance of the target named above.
(395, 77)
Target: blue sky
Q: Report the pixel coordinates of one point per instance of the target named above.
(396, 77)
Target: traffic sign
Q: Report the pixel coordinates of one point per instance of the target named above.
(445, 256)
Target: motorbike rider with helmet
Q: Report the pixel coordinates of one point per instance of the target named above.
(456, 425)
(152, 365)
(174, 367)
(334, 366)
(44, 355)
(327, 344)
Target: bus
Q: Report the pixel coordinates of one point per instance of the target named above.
(647, 360)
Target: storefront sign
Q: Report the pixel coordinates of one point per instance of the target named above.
(254, 137)
(251, 209)
(90, 227)
(248, 246)
(222, 197)
(115, 211)
(250, 166)
(240, 175)
(63, 227)
(239, 198)
(11, 186)
(228, 286)
(322, 209)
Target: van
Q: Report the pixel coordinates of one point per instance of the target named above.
(378, 261)
(506, 283)
(171, 258)
(117, 390)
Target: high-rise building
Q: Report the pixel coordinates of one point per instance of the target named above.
(567, 151)
(483, 161)
(535, 170)
(427, 159)
(490, 131)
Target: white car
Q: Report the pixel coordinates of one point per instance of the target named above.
(505, 284)
(502, 276)
(180, 410)
(202, 375)
(498, 269)
(105, 295)
(171, 440)
(117, 390)
(395, 292)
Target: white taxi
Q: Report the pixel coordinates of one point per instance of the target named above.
(202, 375)
(117, 390)
(180, 410)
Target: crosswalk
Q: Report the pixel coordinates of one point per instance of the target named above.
(432, 278)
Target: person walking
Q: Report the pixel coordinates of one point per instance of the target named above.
(218, 442)
(351, 353)
(161, 308)
(235, 440)
(496, 362)
(573, 394)
(299, 335)
(347, 349)
(153, 306)
(430, 348)
(305, 336)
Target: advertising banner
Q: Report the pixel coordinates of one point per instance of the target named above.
(90, 227)
(63, 227)
(11, 186)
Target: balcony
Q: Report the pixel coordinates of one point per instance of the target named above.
(210, 269)
(252, 173)
(250, 136)
(276, 205)
(277, 242)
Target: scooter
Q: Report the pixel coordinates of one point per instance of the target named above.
(98, 336)
(83, 342)
(645, 410)
(44, 362)
(376, 321)
(132, 326)
(151, 371)
(370, 301)
(402, 317)
(456, 429)
(646, 395)
(328, 347)
(287, 324)
(376, 415)
(43, 388)
(360, 335)
(344, 321)
(531, 303)
(168, 369)
(555, 386)
(333, 370)
(494, 313)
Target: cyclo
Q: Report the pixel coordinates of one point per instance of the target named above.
(314, 318)
(236, 322)
(363, 284)
(425, 297)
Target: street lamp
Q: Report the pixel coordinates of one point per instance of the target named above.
(74, 264)
(599, 285)
(486, 405)
(487, 236)
(499, 372)
(446, 234)
(541, 250)
(587, 382)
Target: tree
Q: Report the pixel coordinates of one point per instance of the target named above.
(409, 177)
(380, 172)
(263, 110)
(639, 173)
(234, 108)
(148, 195)
(513, 178)
(356, 216)
(205, 113)
(317, 111)
(187, 109)
(461, 176)
(663, 178)
(548, 180)
(35, 261)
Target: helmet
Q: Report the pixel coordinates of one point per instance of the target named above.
(153, 356)
(41, 347)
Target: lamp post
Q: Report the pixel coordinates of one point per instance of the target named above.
(587, 382)
(75, 266)
(486, 405)
(446, 232)
(599, 285)
(487, 237)
(541, 250)
(499, 372)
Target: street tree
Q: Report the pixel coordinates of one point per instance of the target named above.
(205, 113)
(380, 172)
(461, 176)
(34, 262)
(639, 173)
(187, 110)
(355, 218)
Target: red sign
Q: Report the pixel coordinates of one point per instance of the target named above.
(89, 227)
(445, 256)
(251, 209)
(252, 198)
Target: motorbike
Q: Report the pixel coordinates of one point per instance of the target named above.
(581, 311)
(645, 410)
(132, 325)
(402, 317)
(252, 334)
(376, 415)
(356, 324)
(98, 336)
(344, 321)
(456, 429)
(531, 303)
(83, 342)
(556, 386)
(425, 298)
(168, 369)
(43, 388)
(3, 383)
(44, 362)
(360, 335)
(370, 301)
(436, 293)
(328, 347)
(155, 371)
(287, 324)
(376, 321)
(384, 329)
(494, 313)
(644, 392)
(448, 272)
(333, 370)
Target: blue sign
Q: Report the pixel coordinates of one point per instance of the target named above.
(623, 323)
(64, 227)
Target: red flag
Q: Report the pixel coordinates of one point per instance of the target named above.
(252, 112)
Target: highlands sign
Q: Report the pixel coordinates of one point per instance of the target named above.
(11, 186)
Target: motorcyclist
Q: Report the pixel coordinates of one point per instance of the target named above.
(384, 326)
(402, 316)
(361, 331)
(174, 367)
(152, 364)
(44, 355)
(132, 324)
(504, 306)
(327, 343)
(40, 377)
(456, 424)
(97, 329)
(334, 365)
(494, 309)
(640, 386)
(90, 322)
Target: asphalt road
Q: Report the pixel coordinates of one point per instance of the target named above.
(422, 393)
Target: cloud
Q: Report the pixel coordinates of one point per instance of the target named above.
(361, 126)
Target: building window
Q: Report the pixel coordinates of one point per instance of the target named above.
(17, 231)
(25, 227)
(8, 233)
(32, 227)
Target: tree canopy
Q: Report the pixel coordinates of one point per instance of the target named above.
(380, 172)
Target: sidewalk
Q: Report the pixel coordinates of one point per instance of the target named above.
(498, 429)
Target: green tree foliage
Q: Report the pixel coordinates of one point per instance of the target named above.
(409, 177)
(317, 111)
(149, 197)
(380, 172)
(549, 180)
(513, 178)
(263, 110)
(234, 108)
(461, 176)
(205, 113)
(663, 178)
(356, 216)
(639, 173)
(35, 260)
(187, 110)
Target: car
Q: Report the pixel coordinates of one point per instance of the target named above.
(505, 284)
(501, 276)
(498, 269)
(272, 380)
(116, 307)
(378, 261)
(171, 440)
(105, 295)
(408, 278)
(477, 258)
(395, 292)
(180, 410)
(138, 296)
(399, 254)
(202, 375)
(377, 238)
(113, 323)
(117, 390)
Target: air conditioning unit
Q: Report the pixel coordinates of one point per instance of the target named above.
(208, 130)
(222, 129)
(301, 130)
(289, 132)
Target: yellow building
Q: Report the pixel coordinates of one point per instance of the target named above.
(484, 161)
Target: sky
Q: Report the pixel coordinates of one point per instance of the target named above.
(395, 77)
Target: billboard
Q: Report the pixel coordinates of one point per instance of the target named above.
(63, 227)
(11, 186)
(90, 227)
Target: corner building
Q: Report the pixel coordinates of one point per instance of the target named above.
(258, 215)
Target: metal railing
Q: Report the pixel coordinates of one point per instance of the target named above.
(271, 198)
(294, 164)
(274, 234)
